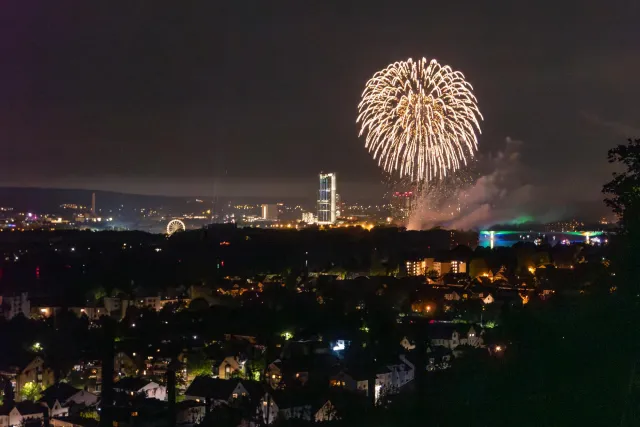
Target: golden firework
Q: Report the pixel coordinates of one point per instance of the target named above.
(420, 119)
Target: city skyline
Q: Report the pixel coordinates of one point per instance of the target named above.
(165, 123)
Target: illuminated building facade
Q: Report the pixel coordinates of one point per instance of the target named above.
(417, 267)
(458, 266)
(308, 217)
(327, 199)
(270, 212)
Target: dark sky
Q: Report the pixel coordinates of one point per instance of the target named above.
(162, 97)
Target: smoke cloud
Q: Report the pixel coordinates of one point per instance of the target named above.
(503, 193)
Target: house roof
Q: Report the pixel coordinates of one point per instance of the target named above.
(311, 363)
(255, 389)
(29, 408)
(298, 397)
(214, 388)
(60, 392)
(131, 384)
(79, 421)
(360, 372)
(30, 362)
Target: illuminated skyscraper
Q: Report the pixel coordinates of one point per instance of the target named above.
(270, 212)
(327, 199)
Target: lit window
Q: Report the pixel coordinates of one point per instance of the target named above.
(235, 395)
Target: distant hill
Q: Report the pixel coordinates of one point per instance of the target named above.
(49, 200)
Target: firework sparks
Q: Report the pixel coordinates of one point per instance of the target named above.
(420, 119)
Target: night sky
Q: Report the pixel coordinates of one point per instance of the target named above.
(256, 97)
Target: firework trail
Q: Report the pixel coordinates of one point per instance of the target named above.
(419, 119)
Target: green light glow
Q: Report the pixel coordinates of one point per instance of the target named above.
(542, 233)
(522, 220)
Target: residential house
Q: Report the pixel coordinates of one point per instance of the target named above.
(299, 404)
(215, 391)
(356, 381)
(43, 311)
(54, 397)
(12, 305)
(88, 374)
(268, 408)
(451, 335)
(5, 410)
(157, 367)
(452, 295)
(154, 302)
(35, 372)
(231, 366)
(175, 301)
(60, 396)
(124, 365)
(117, 307)
(486, 297)
(402, 372)
(274, 373)
(496, 275)
(190, 412)
(390, 377)
(21, 413)
(408, 344)
(297, 370)
(279, 372)
(92, 312)
(141, 387)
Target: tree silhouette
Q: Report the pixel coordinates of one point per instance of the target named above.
(623, 193)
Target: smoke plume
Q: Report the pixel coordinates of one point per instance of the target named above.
(501, 194)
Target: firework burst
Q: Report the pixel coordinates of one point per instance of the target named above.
(419, 119)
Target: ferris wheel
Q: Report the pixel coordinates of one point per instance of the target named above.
(174, 226)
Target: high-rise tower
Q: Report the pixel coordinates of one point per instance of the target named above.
(327, 199)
